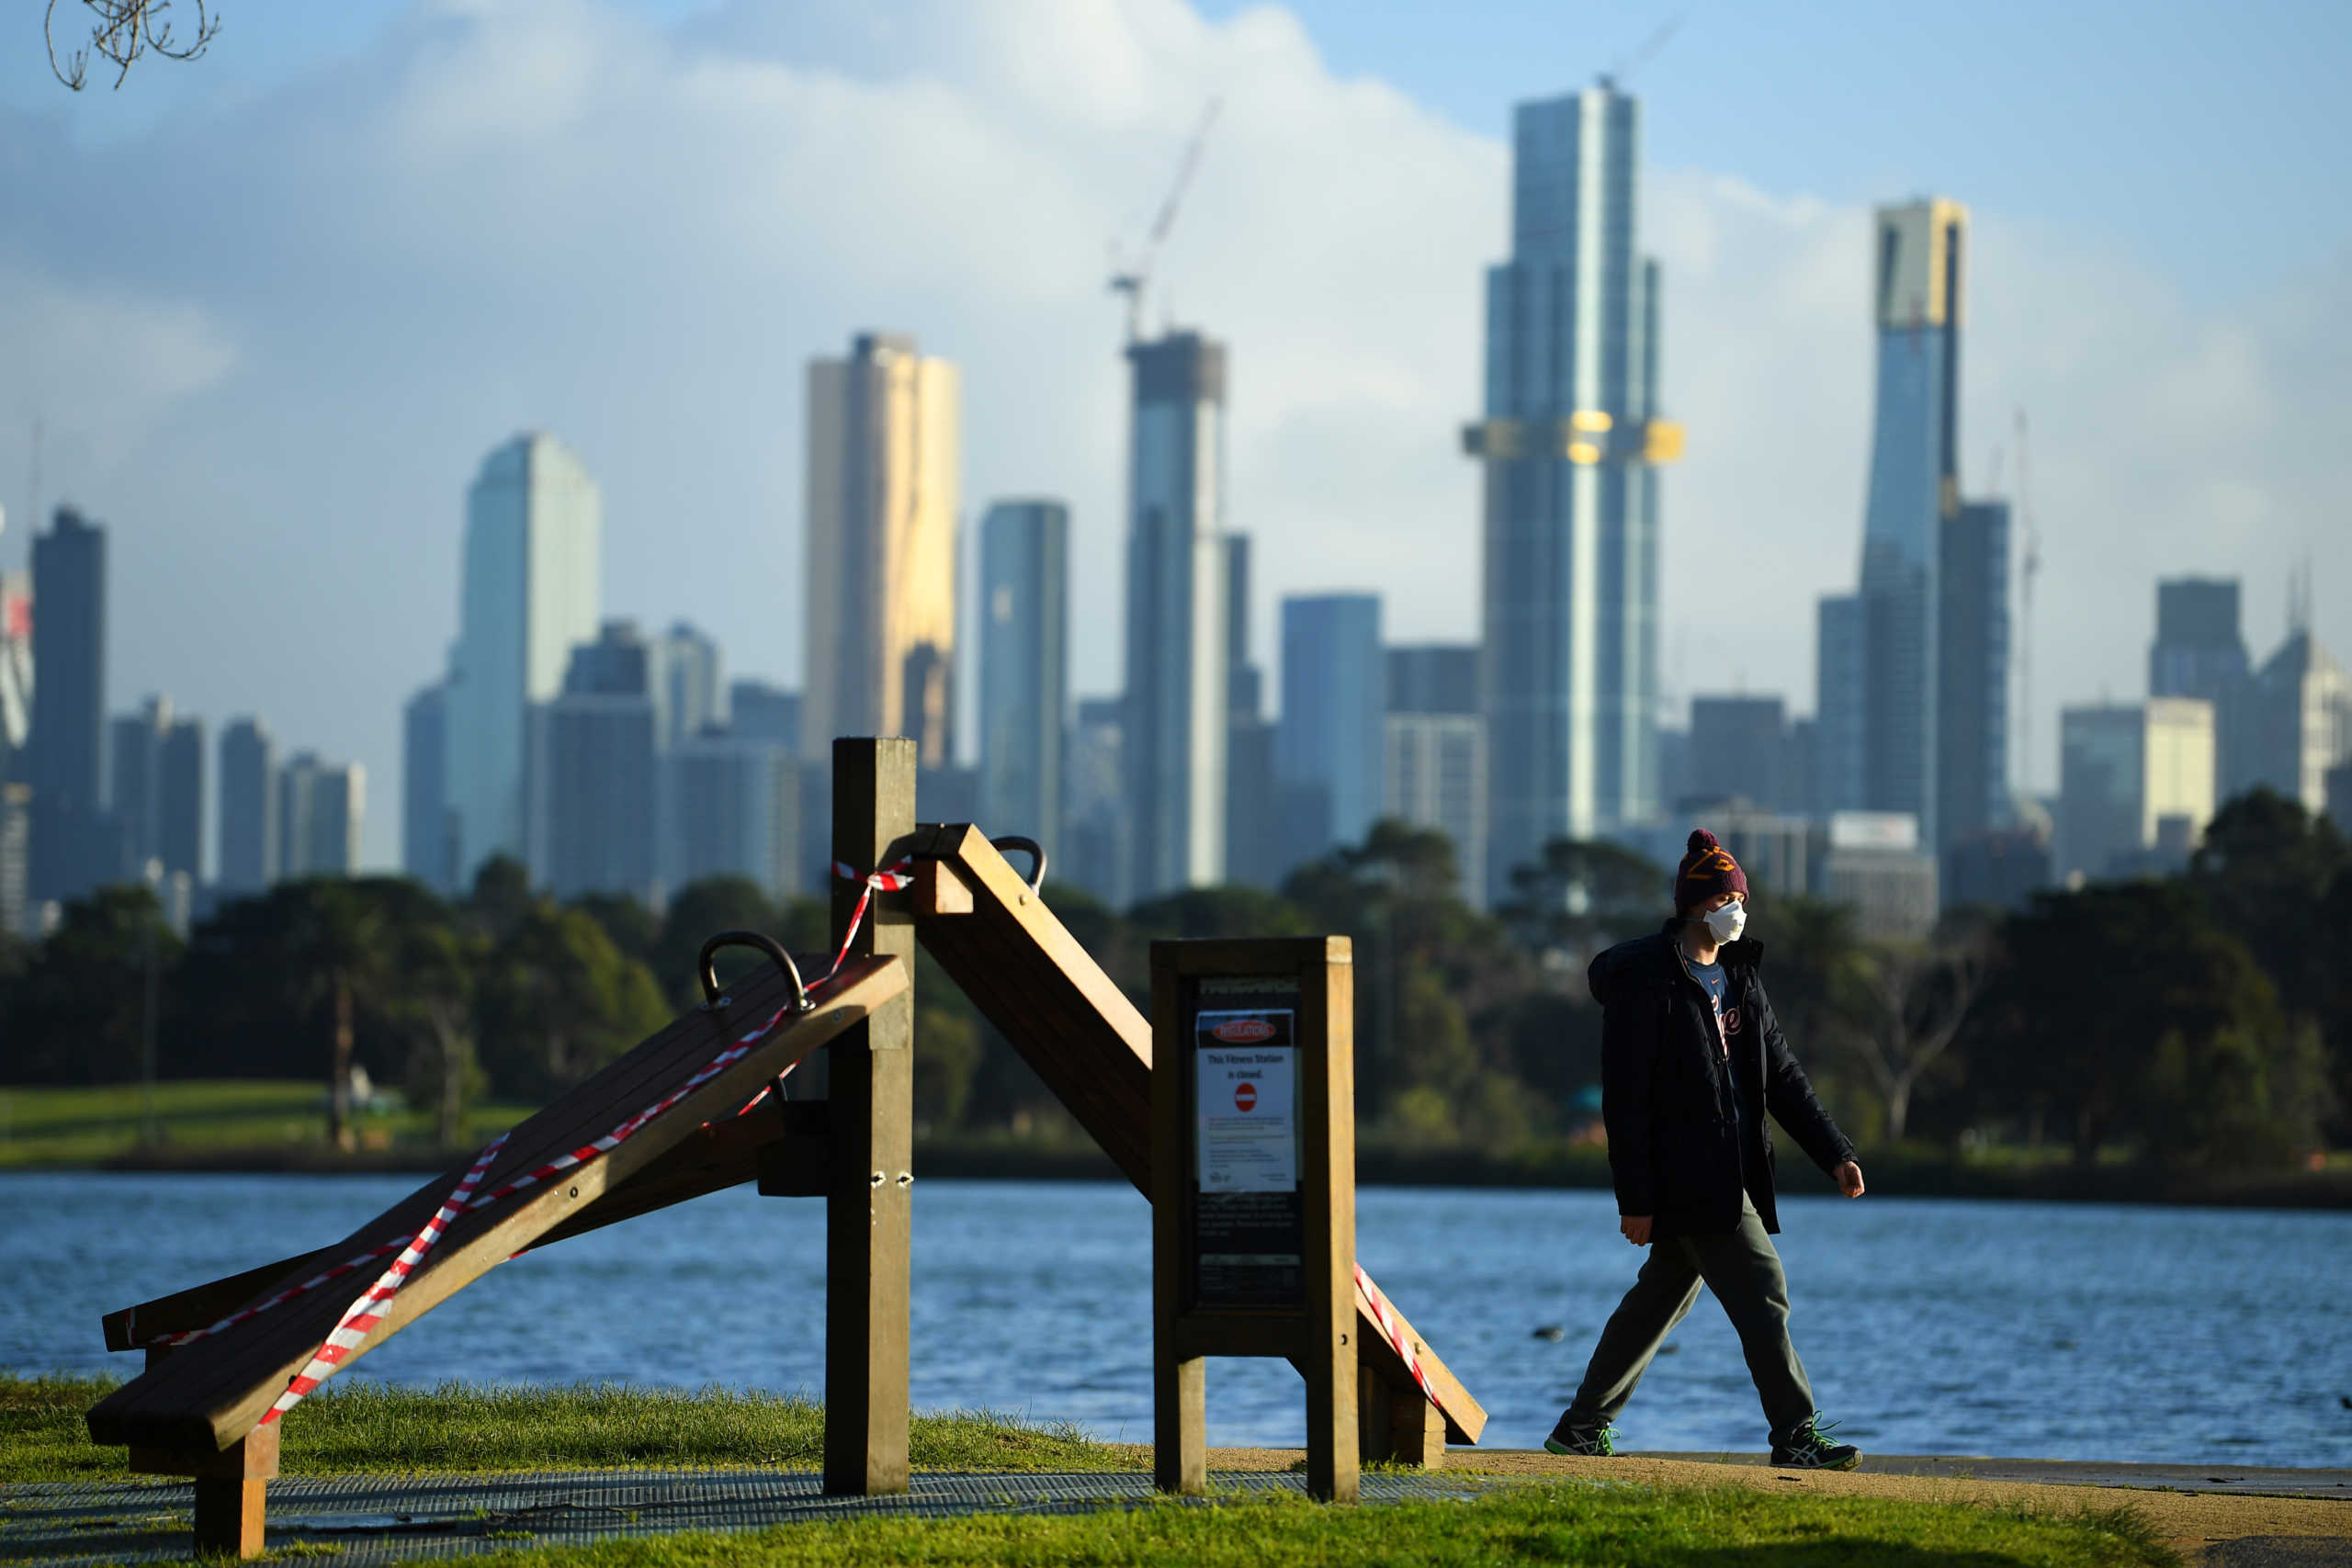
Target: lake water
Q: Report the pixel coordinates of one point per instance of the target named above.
(1930, 1326)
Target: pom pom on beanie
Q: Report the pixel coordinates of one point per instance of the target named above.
(1707, 869)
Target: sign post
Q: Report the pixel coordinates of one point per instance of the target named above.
(1253, 1189)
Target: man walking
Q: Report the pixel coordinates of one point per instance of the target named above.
(1690, 1060)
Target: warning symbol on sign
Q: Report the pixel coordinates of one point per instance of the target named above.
(1245, 1096)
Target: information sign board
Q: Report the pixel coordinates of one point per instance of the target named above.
(1248, 1217)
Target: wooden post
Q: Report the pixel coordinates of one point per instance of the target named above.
(871, 1122)
(1326, 1148)
(231, 1489)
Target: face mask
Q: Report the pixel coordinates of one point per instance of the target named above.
(1726, 923)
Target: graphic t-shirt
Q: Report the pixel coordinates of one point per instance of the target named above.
(1712, 980)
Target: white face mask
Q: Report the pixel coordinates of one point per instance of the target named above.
(1726, 923)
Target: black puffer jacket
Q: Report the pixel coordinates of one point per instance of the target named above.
(1674, 1140)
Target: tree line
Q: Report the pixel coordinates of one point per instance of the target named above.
(2202, 1020)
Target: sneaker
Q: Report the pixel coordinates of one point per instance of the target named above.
(1809, 1448)
(1589, 1442)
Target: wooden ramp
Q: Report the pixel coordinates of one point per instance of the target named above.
(1022, 968)
(205, 1397)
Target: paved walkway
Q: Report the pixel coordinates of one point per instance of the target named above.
(2228, 1518)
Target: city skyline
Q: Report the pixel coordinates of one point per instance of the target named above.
(375, 609)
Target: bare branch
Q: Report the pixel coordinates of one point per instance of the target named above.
(122, 31)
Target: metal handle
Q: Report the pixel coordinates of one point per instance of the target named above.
(712, 1000)
(1037, 856)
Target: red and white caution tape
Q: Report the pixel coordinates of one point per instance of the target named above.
(889, 879)
(361, 1319)
(1380, 1315)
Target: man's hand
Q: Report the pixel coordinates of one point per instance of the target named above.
(1849, 1178)
(1637, 1228)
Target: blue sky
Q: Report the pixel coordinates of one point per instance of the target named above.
(273, 307)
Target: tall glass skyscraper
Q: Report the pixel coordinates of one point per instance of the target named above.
(532, 583)
(1024, 666)
(1913, 491)
(74, 847)
(1172, 741)
(1328, 747)
(1571, 441)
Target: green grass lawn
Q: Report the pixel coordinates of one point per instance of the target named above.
(368, 1429)
(361, 1427)
(82, 1126)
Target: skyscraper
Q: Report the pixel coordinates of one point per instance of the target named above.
(16, 673)
(2200, 651)
(1973, 674)
(1570, 442)
(2301, 720)
(883, 451)
(731, 807)
(179, 799)
(1435, 775)
(532, 583)
(320, 807)
(595, 751)
(1253, 847)
(1914, 490)
(689, 683)
(1172, 739)
(1736, 744)
(1024, 666)
(134, 782)
(758, 711)
(249, 801)
(428, 832)
(1839, 719)
(2135, 782)
(72, 847)
(1329, 744)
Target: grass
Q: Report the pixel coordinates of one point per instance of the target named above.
(1523, 1523)
(368, 1427)
(87, 1125)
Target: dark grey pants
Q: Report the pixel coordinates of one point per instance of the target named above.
(1744, 1272)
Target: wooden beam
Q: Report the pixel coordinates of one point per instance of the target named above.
(870, 1080)
(1092, 1046)
(209, 1395)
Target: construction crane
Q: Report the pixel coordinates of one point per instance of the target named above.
(1621, 72)
(1132, 281)
(2031, 567)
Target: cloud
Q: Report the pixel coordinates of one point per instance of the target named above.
(327, 301)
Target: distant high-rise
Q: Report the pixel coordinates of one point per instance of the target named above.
(1097, 826)
(2200, 651)
(1839, 720)
(135, 784)
(72, 848)
(1173, 736)
(1914, 490)
(249, 803)
(1737, 747)
(320, 807)
(429, 830)
(2135, 786)
(884, 450)
(1253, 846)
(16, 674)
(16, 859)
(532, 583)
(1024, 666)
(690, 686)
(731, 807)
(1973, 674)
(1434, 677)
(1328, 745)
(1570, 442)
(179, 800)
(1434, 773)
(594, 771)
(757, 711)
(2301, 720)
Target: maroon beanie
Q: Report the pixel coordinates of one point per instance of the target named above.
(1706, 870)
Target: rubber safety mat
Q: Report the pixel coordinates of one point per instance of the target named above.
(397, 1518)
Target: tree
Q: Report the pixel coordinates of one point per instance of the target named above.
(438, 968)
(1583, 896)
(338, 956)
(1913, 1000)
(76, 1013)
(122, 31)
(556, 1001)
(700, 911)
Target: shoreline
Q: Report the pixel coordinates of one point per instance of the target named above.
(1890, 1174)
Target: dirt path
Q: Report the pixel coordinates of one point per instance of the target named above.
(2193, 1523)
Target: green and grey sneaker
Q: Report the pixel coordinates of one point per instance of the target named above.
(1573, 1437)
(1810, 1448)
